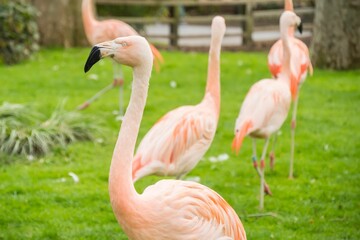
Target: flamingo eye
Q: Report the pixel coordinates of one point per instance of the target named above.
(124, 44)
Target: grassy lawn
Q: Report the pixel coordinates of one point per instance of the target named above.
(39, 200)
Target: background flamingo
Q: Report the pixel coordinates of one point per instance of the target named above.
(299, 70)
(177, 142)
(267, 103)
(100, 31)
(170, 209)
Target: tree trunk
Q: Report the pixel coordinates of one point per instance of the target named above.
(336, 39)
(60, 23)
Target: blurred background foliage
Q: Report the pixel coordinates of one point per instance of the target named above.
(19, 33)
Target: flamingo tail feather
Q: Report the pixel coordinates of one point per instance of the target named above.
(158, 58)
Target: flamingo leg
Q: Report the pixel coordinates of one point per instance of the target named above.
(293, 126)
(95, 97)
(118, 81)
(254, 157)
(256, 166)
(272, 153)
(262, 173)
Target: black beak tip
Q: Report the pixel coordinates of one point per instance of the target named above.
(94, 57)
(300, 28)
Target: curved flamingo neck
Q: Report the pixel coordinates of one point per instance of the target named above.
(286, 45)
(286, 74)
(88, 16)
(289, 7)
(291, 32)
(213, 74)
(123, 195)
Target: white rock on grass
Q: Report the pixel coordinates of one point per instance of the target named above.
(74, 177)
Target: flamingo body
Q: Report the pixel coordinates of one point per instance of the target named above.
(184, 210)
(263, 110)
(182, 137)
(106, 30)
(301, 63)
(169, 209)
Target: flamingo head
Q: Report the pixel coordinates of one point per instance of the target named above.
(218, 27)
(132, 51)
(290, 19)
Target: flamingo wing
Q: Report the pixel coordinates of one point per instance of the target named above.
(306, 64)
(175, 144)
(116, 28)
(198, 212)
(110, 29)
(275, 58)
(300, 55)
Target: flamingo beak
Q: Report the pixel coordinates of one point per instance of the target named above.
(300, 27)
(94, 57)
(99, 51)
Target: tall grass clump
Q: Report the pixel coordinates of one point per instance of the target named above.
(24, 131)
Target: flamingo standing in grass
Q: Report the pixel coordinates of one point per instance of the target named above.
(267, 103)
(178, 140)
(170, 209)
(100, 31)
(298, 70)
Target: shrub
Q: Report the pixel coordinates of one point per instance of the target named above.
(23, 131)
(18, 31)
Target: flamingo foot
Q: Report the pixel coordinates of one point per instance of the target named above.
(83, 106)
(267, 190)
(118, 82)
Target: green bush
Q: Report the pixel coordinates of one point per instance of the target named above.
(19, 33)
(23, 131)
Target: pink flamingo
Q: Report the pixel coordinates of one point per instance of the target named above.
(299, 70)
(100, 31)
(170, 209)
(178, 140)
(267, 103)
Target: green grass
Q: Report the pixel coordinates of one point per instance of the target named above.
(39, 200)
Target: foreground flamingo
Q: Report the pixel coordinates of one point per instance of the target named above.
(300, 65)
(177, 142)
(170, 209)
(267, 103)
(100, 31)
